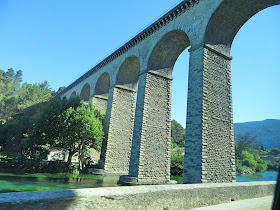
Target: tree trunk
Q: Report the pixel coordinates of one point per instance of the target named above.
(70, 157)
(80, 155)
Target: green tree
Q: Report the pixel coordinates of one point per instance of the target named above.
(275, 151)
(69, 125)
(14, 98)
(9, 87)
(14, 136)
(81, 131)
(178, 133)
(61, 89)
(247, 159)
(173, 144)
(17, 107)
(34, 94)
(261, 165)
(245, 142)
(177, 164)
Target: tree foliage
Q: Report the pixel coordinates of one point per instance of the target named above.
(32, 122)
(14, 97)
(68, 125)
(247, 155)
(245, 142)
(178, 133)
(177, 164)
(275, 151)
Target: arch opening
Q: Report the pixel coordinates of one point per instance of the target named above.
(179, 95)
(101, 92)
(102, 86)
(85, 93)
(167, 50)
(129, 72)
(228, 18)
(73, 94)
(255, 75)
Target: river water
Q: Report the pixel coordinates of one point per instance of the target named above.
(259, 176)
(15, 183)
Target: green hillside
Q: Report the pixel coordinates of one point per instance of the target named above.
(267, 132)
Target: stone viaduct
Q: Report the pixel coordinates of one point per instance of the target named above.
(138, 136)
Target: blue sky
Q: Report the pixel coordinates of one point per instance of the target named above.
(60, 40)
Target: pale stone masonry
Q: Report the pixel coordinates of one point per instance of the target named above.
(120, 129)
(150, 154)
(100, 102)
(138, 139)
(209, 151)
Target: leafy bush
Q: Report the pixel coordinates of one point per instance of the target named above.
(177, 164)
(261, 168)
(275, 151)
(55, 167)
(273, 167)
(247, 159)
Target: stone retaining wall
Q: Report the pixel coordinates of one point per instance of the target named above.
(138, 197)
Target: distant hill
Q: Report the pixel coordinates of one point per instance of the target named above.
(267, 132)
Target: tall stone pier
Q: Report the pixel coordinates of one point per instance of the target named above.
(209, 148)
(150, 154)
(119, 123)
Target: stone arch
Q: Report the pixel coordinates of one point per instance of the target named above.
(129, 72)
(167, 50)
(101, 92)
(228, 18)
(85, 93)
(73, 94)
(102, 85)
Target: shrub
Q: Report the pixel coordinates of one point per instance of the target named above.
(275, 151)
(261, 168)
(177, 164)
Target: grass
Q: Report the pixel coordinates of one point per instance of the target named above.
(38, 182)
(6, 186)
(58, 175)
